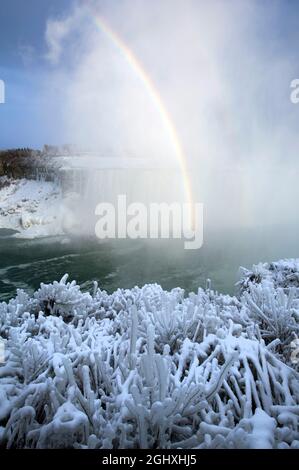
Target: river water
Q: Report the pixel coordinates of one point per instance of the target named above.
(26, 263)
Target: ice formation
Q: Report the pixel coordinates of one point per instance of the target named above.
(146, 368)
(24, 204)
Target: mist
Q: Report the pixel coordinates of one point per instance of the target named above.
(223, 72)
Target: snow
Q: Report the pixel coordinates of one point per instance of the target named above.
(32, 208)
(149, 368)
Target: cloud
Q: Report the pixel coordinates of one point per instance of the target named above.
(58, 31)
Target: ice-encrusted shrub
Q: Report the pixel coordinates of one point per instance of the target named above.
(63, 298)
(283, 273)
(145, 368)
(248, 277)
(273, 303)
(11, 313)
(274, 311)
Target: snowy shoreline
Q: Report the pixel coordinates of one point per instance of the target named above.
(31, 208)
(147, 368)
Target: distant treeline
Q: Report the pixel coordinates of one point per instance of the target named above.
(47, 150)
(32, 164)
(24, 163)
(18, 152)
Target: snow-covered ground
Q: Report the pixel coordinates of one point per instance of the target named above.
(153, 369)
(32, 208)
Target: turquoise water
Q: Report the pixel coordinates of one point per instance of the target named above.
(26, 263)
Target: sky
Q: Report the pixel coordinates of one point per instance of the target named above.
(24, 71)
(251, 60)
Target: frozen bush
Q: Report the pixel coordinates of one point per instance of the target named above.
(148, 368)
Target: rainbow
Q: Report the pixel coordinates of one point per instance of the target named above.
(151, 89)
